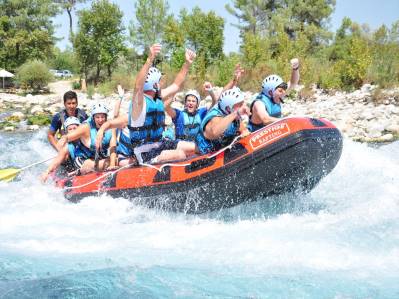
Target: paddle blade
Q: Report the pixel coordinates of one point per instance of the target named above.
(8, 174)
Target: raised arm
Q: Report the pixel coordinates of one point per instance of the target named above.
(118, 103)
(138, 95)
(294, 73)
(209, 88)
(181, 76)
(238, 71)
(168, 106)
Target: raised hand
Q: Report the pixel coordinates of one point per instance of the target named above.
(244, 110)
(121, 91)
(155, 49)
(238, 71)
(207, 86)
(294, 63)
(190, 56)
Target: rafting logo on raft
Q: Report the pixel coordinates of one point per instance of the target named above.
(269, 134)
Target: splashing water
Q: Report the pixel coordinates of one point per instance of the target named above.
(339, 241)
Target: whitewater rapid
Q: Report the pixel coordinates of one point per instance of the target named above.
(339, 241)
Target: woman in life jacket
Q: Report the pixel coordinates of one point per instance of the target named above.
(223, 122)
(188, 121)
(142, 127)
(84, 154)
(64, 154)
(266, 107)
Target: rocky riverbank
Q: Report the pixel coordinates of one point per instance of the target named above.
(367, 114)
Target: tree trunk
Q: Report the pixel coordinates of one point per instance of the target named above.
(97, 74)
(69, 11)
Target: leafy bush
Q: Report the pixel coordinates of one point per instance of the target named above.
(40, 120)
(33, 74)
(76, 85)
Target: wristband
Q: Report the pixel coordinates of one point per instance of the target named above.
(295, 69)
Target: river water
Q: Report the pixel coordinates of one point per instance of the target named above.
(339, 241)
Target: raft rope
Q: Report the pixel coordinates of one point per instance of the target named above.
(153, 166)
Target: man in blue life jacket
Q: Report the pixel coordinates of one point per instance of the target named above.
(188, 121)
(266, 107)
(85, 154)
(223, 122)
(57, 122)
(66, 152)
(141, 137)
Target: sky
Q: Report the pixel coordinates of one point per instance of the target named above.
(374, 13)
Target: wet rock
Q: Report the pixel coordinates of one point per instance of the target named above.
(9, 129)
(33, 128)
(36, 110)
(19, 115)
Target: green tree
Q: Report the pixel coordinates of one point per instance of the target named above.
(64, 60)
(26, 31)
(204, 34)
(69, 5)
(99, 40)
(254, 16)
(151, 17)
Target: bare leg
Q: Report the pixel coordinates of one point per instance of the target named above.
(170, 155)
(187, 147)
(88, 165)
(130, 161)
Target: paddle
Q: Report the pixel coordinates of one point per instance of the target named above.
(96, 161)
(9, 174)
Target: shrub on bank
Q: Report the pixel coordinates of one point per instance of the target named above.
(40, 120)
(33, 75)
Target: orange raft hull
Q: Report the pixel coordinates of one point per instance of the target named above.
(288, 155)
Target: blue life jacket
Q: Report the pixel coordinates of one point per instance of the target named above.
(188, 125)
(78, 149)
(205, 145)
(150, 132)
(272, 108)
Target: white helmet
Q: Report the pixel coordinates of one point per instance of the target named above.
(99, 108)
(193, 92)
(270, 83)
(72, 120)
(153, 76)
(229, 98)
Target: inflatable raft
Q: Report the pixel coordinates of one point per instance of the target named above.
(288, 155)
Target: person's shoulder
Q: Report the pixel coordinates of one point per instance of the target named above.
(57, 116)
(203, 111)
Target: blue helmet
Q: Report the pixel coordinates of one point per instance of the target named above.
(270, 83)
(153, 77)
(229, 98)
(72, 120)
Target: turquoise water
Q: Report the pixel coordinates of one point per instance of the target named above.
(339, 241)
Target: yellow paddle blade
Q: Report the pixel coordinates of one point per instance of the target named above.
(8, 174)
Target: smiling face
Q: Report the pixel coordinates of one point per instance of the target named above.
(278, 95)
(99, 119)
(70, 106)
(191, 104)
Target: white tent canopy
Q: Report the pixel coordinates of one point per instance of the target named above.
(5, 74)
